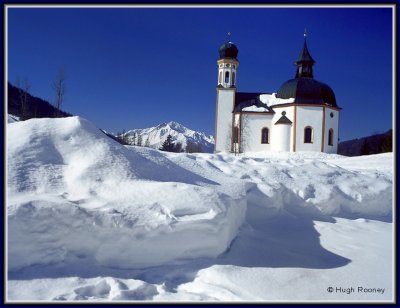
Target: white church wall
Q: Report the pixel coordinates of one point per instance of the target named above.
(252, 124)
(281, 137)
(309, 116)
(280, 134)
(223, 132)
(331, 123)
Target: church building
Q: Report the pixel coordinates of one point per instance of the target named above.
(301, 116)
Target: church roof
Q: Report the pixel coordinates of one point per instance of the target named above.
(307, 91)
(250, 99)
(283, 119)
(304, 55)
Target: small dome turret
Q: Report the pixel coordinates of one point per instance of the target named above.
(228, 51)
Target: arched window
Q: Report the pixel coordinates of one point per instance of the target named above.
(330, 137)
(308, 134)
(226, 77)
(220, 77)
(235, 134)
(233, 78)
(265, 135)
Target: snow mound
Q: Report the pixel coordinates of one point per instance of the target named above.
(74, 193)
(307, 182)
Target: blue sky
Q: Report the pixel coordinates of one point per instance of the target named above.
(138, 67)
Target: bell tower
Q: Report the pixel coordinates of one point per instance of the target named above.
(227, 64)
(226, 91)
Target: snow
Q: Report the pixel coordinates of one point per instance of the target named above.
(90, 219)
(271, 100)
(255, 109)
(73, 192)
(12, 118)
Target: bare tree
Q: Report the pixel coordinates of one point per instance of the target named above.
(139, 140)
(245, 133)
(229, 143)
(134, 139)
(23, 89)
(59, 88)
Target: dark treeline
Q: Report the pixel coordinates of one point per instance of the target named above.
(26, 106)
(375, 144)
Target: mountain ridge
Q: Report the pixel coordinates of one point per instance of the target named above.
(155, 136)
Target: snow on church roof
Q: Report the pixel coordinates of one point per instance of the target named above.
(271, 100)
(258, 102)
(250, 102)
(255, 108)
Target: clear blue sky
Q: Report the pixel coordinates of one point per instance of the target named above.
(136, 67)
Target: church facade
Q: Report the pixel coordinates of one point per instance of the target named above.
(301, 116)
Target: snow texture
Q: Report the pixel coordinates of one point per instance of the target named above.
(90, 219)
(73, 192)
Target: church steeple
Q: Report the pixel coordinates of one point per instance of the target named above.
(305, 62)
(227, 64)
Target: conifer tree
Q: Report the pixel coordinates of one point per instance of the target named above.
(168, 145)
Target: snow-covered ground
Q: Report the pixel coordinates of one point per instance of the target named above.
(90, 219)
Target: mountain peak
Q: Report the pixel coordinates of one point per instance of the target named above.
(175, 125)
(155, 136)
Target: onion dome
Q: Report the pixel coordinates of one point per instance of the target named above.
(307, 91)
(228, 50)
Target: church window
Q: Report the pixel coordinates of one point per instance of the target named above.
(331, 114)
(308, 134)
(226, 77)
(330, 137)
(233, 78)
(265, 135)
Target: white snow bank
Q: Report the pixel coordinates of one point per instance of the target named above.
(81, 205)
(271, 99)
(328, 184)
(73, 193)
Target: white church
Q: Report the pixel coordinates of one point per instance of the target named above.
(301, 116)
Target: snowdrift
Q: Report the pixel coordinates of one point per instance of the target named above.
(73, 193)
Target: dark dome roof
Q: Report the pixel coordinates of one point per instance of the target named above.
(307, 91)
(228, 50)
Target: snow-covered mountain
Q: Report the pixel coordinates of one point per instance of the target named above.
(155, 136)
